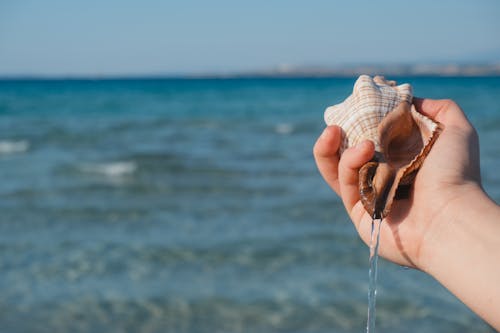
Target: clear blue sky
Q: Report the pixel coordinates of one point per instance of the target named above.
(100, 37)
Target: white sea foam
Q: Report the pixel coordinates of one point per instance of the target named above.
(111, 169)
(12, 147)
(284, 128)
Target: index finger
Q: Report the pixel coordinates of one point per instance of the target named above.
(326, 156)
(428, 107)
(444, 111)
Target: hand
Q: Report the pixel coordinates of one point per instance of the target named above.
(448, 227)
(450, 171)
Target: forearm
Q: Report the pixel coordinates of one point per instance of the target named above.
(464, 253)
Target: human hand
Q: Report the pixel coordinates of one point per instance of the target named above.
(414, 225)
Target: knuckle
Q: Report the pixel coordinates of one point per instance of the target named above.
(447, 104)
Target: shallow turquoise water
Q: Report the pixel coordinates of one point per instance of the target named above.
(195, 206)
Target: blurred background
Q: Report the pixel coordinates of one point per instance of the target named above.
(156, 161)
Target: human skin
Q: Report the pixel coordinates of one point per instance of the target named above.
(448, 227)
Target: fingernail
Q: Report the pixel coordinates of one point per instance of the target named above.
(362, 145)
(324, 134)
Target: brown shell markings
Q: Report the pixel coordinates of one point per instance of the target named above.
(381, 111)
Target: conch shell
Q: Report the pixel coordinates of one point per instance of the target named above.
(381, 111)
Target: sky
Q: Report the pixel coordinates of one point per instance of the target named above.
(163, 37)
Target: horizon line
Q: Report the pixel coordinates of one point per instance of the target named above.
(291, 71)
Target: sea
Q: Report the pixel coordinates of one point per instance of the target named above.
(194, 205)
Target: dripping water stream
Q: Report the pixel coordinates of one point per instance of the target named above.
(372, 273)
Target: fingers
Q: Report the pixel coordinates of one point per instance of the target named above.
(353, 159)
(326, 156)
(428, 107)
(445, 111)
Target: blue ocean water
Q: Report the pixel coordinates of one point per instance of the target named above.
(182, 205)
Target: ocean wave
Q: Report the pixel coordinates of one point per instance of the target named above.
(111, 169)
(12, 147)
(284, 128)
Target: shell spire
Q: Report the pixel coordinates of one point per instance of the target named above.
(370, 101)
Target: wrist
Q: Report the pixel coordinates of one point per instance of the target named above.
(464, 218)
(462, 252)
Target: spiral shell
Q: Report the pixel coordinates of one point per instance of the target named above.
(381, 111)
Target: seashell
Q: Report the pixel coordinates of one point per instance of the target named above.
(381, 111)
